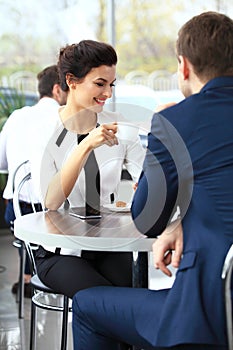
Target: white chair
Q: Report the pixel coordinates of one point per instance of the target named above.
(227, 277)
(38, 287)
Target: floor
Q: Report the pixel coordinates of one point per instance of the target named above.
(14, 332)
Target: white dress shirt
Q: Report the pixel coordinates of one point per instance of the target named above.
(19, 136)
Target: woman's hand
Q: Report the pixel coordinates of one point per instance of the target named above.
(63, 182)
(103, 134)
(170, 240)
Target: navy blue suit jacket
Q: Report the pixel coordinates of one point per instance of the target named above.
(189, 163)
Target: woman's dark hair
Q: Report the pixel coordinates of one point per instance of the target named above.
(79, 59)
(206, 41)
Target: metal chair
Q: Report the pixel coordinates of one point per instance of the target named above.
(39, 288)
(227, 277)
(19, 173)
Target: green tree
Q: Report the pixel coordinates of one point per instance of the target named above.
(146, 30)
(32, 32)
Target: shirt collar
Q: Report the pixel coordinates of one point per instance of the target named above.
(48, 100)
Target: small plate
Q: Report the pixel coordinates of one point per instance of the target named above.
(113, 207)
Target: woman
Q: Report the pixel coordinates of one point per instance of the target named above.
(87, 73)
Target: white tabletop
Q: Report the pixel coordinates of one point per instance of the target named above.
(115, 231)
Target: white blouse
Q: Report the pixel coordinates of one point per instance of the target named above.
(49, 159)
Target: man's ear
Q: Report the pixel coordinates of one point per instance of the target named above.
(184, 67)
(56, 91)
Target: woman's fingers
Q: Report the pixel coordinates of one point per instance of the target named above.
(109, 134)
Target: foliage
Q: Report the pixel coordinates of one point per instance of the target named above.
(146, 30)
(6, 71)
(3, 181)
(145, 34)
(10, 99)
(144, 39)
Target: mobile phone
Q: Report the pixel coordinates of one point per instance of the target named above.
(85, 217)
(82, 214)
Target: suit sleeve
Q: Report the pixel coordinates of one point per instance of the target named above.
(161, 185)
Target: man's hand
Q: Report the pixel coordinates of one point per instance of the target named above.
(170, 240)
(165, 105)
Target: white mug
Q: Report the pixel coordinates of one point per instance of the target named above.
(127, 132)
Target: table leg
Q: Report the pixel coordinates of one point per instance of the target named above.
(21, 281)
(140, 270)
(139, 273)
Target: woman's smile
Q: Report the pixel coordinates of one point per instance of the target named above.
(100, 101)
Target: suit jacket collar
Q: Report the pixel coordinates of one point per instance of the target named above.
(219, 82)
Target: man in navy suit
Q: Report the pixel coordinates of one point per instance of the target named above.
(189, 164)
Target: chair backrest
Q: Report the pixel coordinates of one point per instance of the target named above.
(17, 170)
(18, 213)
(20, 180)
(16, 200)
(227, 277)
(28, 193)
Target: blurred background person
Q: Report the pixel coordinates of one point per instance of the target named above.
(17, 140)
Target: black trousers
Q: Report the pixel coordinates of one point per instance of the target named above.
(69, 274)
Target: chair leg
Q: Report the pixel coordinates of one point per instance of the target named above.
(33, 326)
(64, 322)
(228, 308)
(21, 282)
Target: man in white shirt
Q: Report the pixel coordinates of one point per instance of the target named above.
(17, 141)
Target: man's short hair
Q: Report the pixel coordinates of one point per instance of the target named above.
(206, 41)
(47, 78)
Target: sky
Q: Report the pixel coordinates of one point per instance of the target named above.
(79, 21)
(41, 17)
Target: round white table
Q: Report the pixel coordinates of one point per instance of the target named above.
(115, 231)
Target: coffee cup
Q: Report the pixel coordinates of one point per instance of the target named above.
(127, 132)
